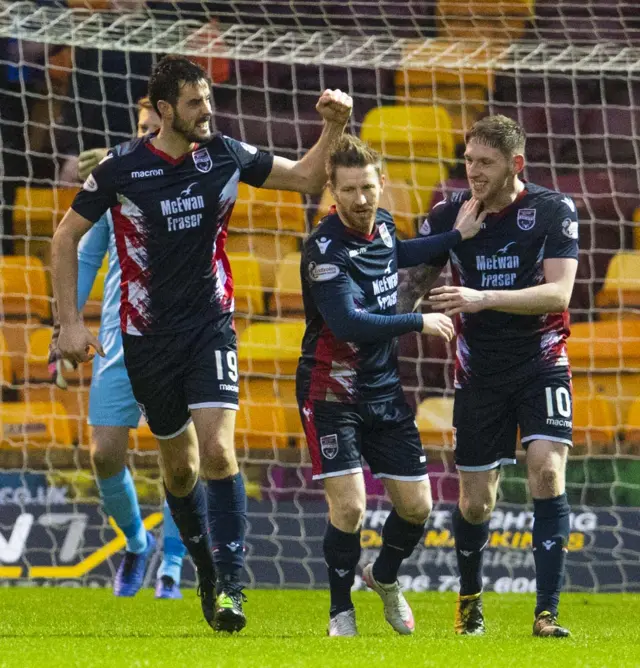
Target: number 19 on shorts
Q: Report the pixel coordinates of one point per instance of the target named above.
(558, 402)
(231, 365)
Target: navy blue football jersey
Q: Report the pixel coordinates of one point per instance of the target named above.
(339, 265)
(508, 254)
(170, 219)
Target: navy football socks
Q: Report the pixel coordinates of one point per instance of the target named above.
(227, 502)
(341, 554)
(550, 536)
(399, 539)
(190, 515)
(471, 539)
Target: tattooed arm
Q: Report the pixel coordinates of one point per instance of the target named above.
(415, 283)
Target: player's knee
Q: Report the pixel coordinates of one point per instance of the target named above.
(347, 515)
(180, 479)
(416, 511)
(547, 481)
(104, 462)
(218, 463)
(476, 511)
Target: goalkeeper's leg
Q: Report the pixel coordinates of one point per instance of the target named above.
(108, 455)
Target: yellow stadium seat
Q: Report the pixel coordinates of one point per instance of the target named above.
(260, 390)
(622, 284)
(38, 423)
(247, 284)
(612, 344)
(268, 249)
(261, 426)
(632, 424)
(594, 425)
(435, 422)
(271, 348)
(419, 179)
(396, 198)
(409, 132)
(483, 19)
(260, 209)
(36, 211)
(6, 377)
(23, 288)
(287, 294)
(619, 388)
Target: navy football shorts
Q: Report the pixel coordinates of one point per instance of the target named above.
(384, 434)
(175, 373)
(486, 420)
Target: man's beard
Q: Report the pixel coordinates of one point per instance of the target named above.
(181, 127)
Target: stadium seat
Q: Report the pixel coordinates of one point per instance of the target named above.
(594, 425)
(632, 425)
(6, 373)
(636, 229)
(435, 422)
(259, 209)
(142, 440)
(37, 423)
(469, 19)
(271, 348)
(23, 288)
(260, 390)
(36, 211)
(287, 295)
(409, 132)
(261, 426)
(420, 179)
(619, 388)
(612, 344)
(247, 284)
(621, 288)
(268, 249)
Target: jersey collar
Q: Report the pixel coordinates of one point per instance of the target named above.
(165, 156)
(497, 215)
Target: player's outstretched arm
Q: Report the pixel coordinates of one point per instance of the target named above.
(308, 175)
(75, 339)
(552, 296)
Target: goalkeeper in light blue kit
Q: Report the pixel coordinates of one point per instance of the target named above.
(112, 407)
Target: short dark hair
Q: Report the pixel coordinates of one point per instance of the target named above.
(349, 151)
(499, 132)
(145, 103)
(168, 77)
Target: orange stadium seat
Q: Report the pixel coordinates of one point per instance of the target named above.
(613, 345)
(260, 209)
(259, 390)
(247, 284)
(434, 419)
(271, 348)
(261, 426)
(632, 425)
(37, 211)
(37, 423)
(594, 425)
(470, 19)
(621, 289)
(23, 288)
(268, 249)
(141, 439)
(619, 388)
(287, 294)
(6, 377)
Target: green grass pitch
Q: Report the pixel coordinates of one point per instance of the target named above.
(83, 627)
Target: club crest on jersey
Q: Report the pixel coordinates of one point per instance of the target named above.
(385, 236)
(90, 185)
(425, 228)
(329, 446)
(570, 228)
(202, 160)
(526, 219)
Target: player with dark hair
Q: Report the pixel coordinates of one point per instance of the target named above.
(348, 388)
(512, 286)
(112, 407)
(171, 195)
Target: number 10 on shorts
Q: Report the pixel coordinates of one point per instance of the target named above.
(562, 402)
(232, 365)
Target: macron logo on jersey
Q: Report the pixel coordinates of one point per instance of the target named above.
(143, 174)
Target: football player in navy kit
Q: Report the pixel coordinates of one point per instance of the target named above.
(511, 289)
(348, 389)
(171, 195)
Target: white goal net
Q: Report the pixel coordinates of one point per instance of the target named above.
(420, 73)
